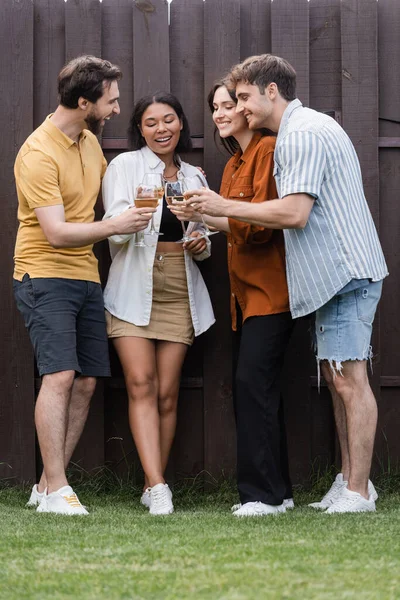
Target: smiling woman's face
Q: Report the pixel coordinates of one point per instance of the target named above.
(161, 128)
(225, 117)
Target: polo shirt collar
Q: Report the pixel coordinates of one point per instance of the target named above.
(239, 157)
(288, 113)
(58, 135)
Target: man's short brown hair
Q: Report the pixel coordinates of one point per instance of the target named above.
(265, 69)
(85, 76)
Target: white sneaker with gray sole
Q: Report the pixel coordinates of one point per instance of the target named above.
(351, 502)
(258, 509)
(161, 500)
(145, 498)
(62, 502)
(288, 503)
(35, 498)
(335, 491)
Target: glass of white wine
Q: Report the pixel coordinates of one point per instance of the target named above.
(174, 195)
(146, 196)
(195, 182)
(154, 180)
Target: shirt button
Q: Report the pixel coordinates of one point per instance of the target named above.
(241, 194)
(230, 245)
(233, 295)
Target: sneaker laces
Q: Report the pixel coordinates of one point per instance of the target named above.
(346, 501)
(159, 498)
(73, 500)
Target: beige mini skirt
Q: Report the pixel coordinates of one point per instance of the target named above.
(170, 318)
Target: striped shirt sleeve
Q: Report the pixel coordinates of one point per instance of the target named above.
(302, 161)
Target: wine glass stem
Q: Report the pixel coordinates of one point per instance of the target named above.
(205, 225)
(152, 230)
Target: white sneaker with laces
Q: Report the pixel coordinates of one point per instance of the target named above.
(350, 502)
(63, 502)
(336, 489)
(161, 500)
(332, 494)
(145, 499)
(35, 498)
(258, 509)
(288, 503)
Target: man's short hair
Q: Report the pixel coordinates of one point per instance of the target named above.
(85, 76)
(265, 69)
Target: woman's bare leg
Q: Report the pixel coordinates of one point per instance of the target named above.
(169, 358)
(138, 360)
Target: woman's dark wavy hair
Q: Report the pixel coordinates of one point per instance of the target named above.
(135, 138)
(230, 144)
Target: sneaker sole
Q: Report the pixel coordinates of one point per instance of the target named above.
(163, 514)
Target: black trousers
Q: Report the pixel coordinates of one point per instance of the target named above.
(262, 460)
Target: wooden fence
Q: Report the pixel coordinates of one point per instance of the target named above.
(346, 54)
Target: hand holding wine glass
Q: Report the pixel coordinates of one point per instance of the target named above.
(195, 182)
(147, 195)
(174, 196)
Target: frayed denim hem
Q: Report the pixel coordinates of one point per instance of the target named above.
(336, 365)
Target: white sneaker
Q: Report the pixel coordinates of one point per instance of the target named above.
(288, 503)
(63, 502)
(35, 497)
(161, 500)
(332, 494)
(336, 489)
(350, 502)
(145, 499)
(258, 509)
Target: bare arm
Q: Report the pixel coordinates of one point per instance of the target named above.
(290, 212)
(61, 234)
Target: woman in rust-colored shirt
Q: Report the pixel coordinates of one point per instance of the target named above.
(260, 313)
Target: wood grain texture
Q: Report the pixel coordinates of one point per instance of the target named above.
(221, 52)
(17, 432)
(150, 47)
(255, 28)
(82, 28)
(186, 43)
(290, 39)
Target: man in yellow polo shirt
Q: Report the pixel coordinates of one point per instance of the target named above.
(58, 173)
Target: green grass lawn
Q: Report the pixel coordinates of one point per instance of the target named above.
(120, 551)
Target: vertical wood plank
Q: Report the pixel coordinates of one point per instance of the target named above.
(117, 47)
(221, 52)
(82, 28)
(290, 39)
(83, 36)
(150, 47)
(186, 44)
(325, 56)
(255, 28)
(49, 55)
(17, 432)
(387, 443)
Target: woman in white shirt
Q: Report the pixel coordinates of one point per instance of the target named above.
(156, 300)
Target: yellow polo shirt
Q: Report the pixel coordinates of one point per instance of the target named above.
(51, 169)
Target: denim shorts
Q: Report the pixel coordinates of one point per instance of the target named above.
(66, 324)
(343, 326)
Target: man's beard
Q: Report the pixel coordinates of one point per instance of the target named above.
(94, 124)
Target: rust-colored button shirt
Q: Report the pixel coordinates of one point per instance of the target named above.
(256, 256)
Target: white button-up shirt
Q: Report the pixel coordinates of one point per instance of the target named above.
(129, 291)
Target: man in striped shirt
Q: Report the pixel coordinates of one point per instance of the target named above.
(334, 261)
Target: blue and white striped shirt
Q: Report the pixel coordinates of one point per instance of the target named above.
(314, 155)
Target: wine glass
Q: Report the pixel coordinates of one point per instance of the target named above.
(173, 195)
(146, 196)
(195, 182)
(154, 180)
